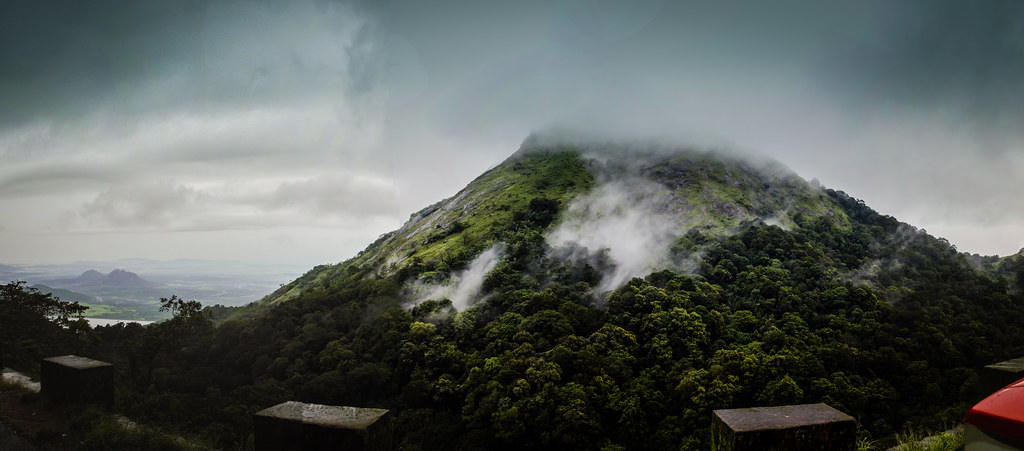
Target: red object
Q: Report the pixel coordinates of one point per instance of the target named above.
(1002, 412)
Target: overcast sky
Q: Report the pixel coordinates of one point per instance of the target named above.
(298, 132)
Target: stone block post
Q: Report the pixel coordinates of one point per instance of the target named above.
(992, 378)
(300, 426)
(70, 378)
(805, 427)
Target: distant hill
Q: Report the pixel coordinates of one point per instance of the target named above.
(89, 276)
(122, 278)
(66, 295)
(7, 273)
(117, 278)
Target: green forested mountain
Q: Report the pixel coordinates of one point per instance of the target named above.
(676, 191)
(595, 297)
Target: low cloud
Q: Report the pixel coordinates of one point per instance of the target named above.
(283, 240)
(629, 220)
(462, 287)
(325, 201)
(56, 178)
(348, 194)
(148, 204)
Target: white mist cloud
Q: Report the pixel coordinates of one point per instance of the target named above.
(781, 220)
(463, 286)
(142, 204)
(632, 218)
(351, 194)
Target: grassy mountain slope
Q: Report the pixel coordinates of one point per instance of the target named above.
(729, 190)
(66, 295)
(630, 298)
(454, 230)
(701, 191)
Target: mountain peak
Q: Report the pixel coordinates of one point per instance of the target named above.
(120, 277)
(89, 276)
(628, 203)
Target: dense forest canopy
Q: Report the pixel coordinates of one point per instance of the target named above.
(777, 292)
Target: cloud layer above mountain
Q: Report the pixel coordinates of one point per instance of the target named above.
(302, 130)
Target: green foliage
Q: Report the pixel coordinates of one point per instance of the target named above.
(100, 430)
(525, 192)
(950, 440)
(108, 311)
(37, 325)
(847, 307)
(17, 298)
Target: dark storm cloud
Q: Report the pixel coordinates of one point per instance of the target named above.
(64, 55)
(64, 59)
(964, 58)
(941, 57)
(920, 98)
(268, 114)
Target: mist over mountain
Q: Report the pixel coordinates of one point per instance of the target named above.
(601, 295)
(623, 208)
(604, 285)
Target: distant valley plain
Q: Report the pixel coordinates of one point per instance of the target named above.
(130, 289)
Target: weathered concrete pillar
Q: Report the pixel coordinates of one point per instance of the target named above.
(992, 378)
(299, 426)
(71, 378)
(804, 427)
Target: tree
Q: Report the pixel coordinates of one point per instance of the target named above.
(165, 343)
(188, 320)
(36, 324)
(16, 298)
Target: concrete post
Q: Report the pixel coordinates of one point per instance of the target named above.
(300, 426)
(806, 427)
(71, 378)
(994, 377)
